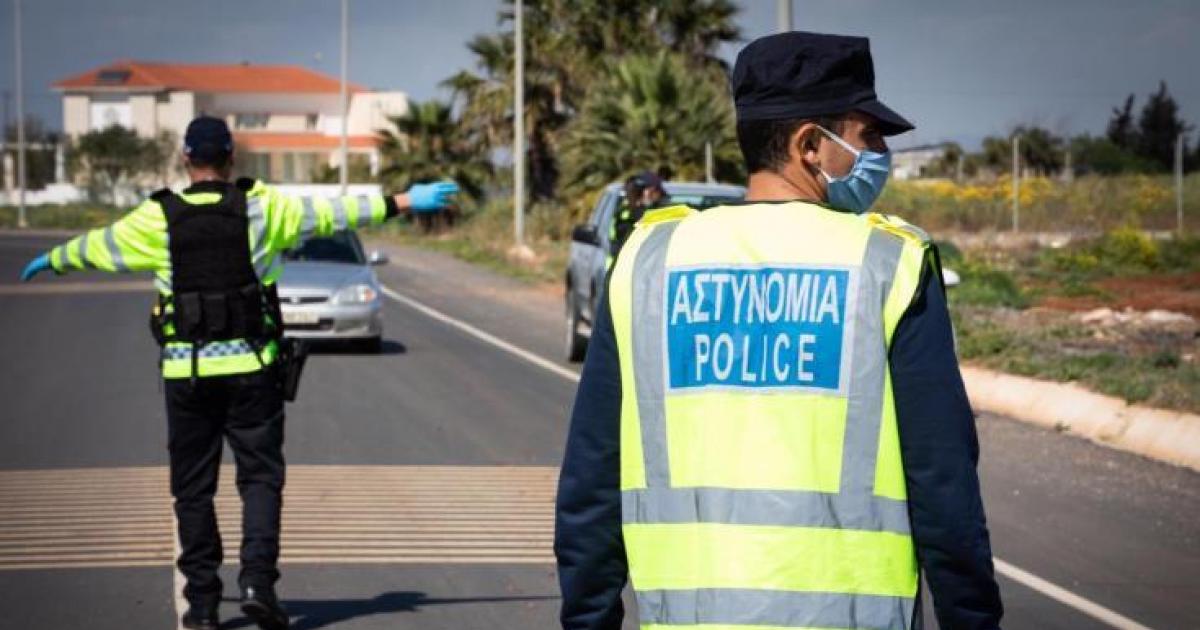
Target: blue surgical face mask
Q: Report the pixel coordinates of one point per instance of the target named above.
(857, 190)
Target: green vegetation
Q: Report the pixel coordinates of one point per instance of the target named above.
(985, 285)
(114, 156)
(65, 217)
(485, 238)
(1064, 350)
(652, 64)
(1123, 252)
(1092, 202)
(633, 121)
(1155, 365)
(432, 145)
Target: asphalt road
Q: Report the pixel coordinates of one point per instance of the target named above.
(445, 432)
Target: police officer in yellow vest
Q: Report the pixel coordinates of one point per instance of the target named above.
(771, 430)
(216, 250)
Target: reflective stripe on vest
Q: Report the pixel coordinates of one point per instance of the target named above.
(837, 555)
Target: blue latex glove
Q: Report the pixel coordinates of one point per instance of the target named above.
(35, 266)
(431, 197)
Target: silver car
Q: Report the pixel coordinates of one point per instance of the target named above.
(329, 292)
(590, 247)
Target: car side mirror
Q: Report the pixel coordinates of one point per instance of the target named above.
(377, 258)
(586, 234)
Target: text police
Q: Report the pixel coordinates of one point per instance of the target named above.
(772, 327)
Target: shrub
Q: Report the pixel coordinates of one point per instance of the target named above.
(985, 285)
(1129, 249)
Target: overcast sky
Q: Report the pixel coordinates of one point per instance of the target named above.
(960, 69)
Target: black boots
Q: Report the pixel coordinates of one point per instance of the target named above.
(200, 617)
(262, 607)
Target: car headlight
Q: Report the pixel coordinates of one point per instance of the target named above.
(356, 294)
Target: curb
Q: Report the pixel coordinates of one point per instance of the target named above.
(1167, 436)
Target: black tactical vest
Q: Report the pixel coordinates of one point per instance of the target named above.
(216, 293)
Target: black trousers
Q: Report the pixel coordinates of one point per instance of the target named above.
(247, 410)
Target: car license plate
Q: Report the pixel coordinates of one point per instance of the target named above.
(300, 318)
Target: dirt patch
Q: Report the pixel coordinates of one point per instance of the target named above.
(1179, 293)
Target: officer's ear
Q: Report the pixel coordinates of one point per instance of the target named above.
(804, 143)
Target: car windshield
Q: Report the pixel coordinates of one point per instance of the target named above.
(697, 201)
(342, 247)
(702, 202)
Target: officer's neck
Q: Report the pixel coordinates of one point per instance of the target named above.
(773, 186)
(203, 175)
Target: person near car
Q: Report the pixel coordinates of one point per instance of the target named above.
(216, 252)
(771, 430)
(642, 192)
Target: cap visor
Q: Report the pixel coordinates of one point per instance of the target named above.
(890, 122)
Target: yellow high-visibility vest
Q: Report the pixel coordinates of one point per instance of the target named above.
(277, 222)
(761, 477)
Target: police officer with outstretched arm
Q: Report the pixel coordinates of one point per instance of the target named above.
(771, 430)
(216, 252)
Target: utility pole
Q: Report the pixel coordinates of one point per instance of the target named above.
(784, 14)
(519, 125)
(344, 171)
(1016, 184)
(5, 102)
(22, 220)
(708, 163)
(1179, 183)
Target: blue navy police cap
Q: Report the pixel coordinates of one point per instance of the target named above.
(809, 75)
(207, 139)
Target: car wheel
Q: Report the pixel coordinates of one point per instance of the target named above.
(576, 344)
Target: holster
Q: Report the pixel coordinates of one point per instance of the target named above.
(293, 354)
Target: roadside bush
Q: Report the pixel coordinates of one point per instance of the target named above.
(985, 285)
(1180, 254)
(1128, 249)
(1121, 252)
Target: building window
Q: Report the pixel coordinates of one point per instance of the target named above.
(105, 114)
(289, 167)
(250, 121)
(310, 122)
(255, 165)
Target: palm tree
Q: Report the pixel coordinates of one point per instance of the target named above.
(429, 145)
(570, 45)
(653, 113)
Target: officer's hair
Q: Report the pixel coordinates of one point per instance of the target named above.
(218, 162)
(764, 143)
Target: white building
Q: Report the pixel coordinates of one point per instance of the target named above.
(911, 163)
(285, 119)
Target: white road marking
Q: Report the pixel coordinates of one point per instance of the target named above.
(481, 335)
(1017, 574)
(1062, 595)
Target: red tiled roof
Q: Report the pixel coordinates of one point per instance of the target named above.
(204, 78)
(266, 140)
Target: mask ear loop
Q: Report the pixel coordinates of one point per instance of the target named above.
(841, 141)
(845, 145)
